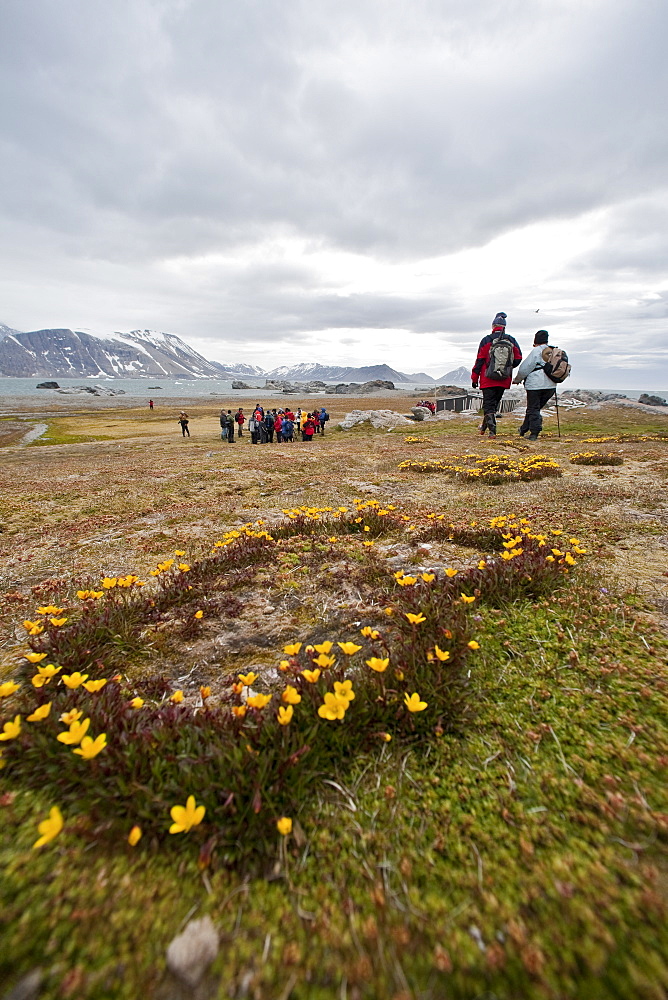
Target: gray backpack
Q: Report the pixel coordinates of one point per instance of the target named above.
(500, 363)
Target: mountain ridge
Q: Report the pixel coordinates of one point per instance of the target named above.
(65, 353)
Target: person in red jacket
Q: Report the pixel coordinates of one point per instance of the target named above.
(498, 354)
(308, 428)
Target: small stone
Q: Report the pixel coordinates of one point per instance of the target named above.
(191, 953)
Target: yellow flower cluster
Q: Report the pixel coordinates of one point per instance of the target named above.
(495, 469)
(246, 531)
(596, 458)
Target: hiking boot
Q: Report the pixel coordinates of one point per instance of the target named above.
(482, 428)
(533, 437)
(521, 433)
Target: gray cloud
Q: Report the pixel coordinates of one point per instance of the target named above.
(150, 131)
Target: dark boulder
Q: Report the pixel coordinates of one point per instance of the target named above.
(47, 385)
(652, 400)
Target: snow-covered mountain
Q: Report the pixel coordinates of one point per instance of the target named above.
(460, 376)
(307, 372)
(138, 354)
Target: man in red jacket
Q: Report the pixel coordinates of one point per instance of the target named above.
(498, 354)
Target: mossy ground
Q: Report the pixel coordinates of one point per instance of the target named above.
(525, 858)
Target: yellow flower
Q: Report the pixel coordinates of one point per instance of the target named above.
(109, 582)
(377, 664)
(413, 703)
(35, 657)
(466, 599)
(93, 686)
(292, 648)
(557, 552)
(34, 628)
(185, 817)
(75, 734)
(324, 661)
(136, 702)
(91, 747)
(549, 558)
(386, 737)
(389, 612)
(324, 647)
(368, 544)
(239, 711)
(569, 559)
(349, 648)
(428, 577)
(311, 675)
(451, 572)
(406, 581)
(442, 654)
(179, 552)
(370, 633)
(333, 708)
(49, 828)
(177, 697)
(199, 614)
(473, 644)
(285, 715)
(259, 700)
(332, 539)
(57, 622)
(11, 730)
(248, 679)
(49, 609)
(284, 826)
(344, 689)
(74, 680)
(283, 665)
(415, 619)
(9, 687)
(49, 671)
(184, 567)
(39, 713)
(205, 691)
(73, 715)
(291, 696)
(134, 836)
(482, 564)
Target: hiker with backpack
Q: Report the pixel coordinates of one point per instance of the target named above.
(498, 354)
(541, 371)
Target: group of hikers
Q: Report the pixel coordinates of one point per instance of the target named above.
(541, 371)
(265, 425)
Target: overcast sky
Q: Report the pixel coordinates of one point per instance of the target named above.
(342, 181)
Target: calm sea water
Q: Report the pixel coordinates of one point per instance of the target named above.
(175, 389)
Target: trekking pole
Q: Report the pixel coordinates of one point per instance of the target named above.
(556, 403)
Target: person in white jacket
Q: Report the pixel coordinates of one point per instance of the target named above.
(539, 388)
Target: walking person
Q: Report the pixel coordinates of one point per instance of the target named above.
(183, 420)
(540, 386)
(498, 354)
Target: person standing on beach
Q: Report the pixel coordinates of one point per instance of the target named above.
(150, 404)
(183, 420)
(498, 354)
(539, 388)
(239, 419)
